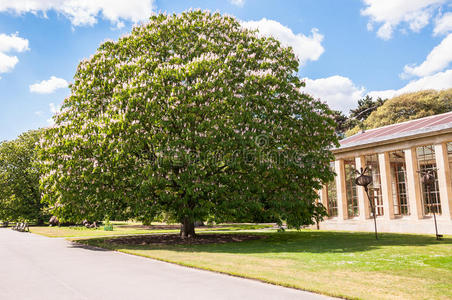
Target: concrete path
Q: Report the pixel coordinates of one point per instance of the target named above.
(37, 267)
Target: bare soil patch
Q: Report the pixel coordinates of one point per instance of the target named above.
(174, 239)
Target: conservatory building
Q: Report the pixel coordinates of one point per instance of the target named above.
(396, 157)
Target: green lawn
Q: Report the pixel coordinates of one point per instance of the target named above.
(72, 231)
(127, 228)
(345, 264)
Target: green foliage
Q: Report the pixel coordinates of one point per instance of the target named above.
(407, 107)
(20, 198)
(365, 107)
(193, 116)
(108, 226)
(344, 124)
(320, 212)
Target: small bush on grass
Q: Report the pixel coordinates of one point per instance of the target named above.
(108, 226)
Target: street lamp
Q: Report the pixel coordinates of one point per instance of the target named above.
(364, 181)
(428, 179)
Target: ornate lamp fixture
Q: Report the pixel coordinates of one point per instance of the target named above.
(364, 181)
(428, 179)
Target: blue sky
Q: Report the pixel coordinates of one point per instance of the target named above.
(347, 48)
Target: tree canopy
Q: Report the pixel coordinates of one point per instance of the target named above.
(342, 123)
(357, 116)
(191, 115)
(407, 107)
(365, 108)
(20, 198)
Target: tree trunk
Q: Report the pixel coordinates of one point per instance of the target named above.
(40, 221)
(187, 229)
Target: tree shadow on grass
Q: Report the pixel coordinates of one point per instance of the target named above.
(81, 245)
(308, 241)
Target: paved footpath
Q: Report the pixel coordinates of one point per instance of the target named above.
(37, 267)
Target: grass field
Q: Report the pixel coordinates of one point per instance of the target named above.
(72, 231)
(124, 228)
(344, 264)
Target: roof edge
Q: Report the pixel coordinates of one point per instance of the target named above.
(398, 124)
(395, 137)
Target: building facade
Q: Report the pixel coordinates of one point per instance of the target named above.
(395, 156)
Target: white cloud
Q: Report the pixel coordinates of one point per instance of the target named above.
(83, 12)
(385, 31)
(390, 13)
(339, 92)
(384, 94)
(237, 2)
(48, 86)
(50, 121)
(10, 43)
(342, 94)
(438, 59)
(305, 47)
(443, 24)
(438, 81)
(7, 63)
(54, 108)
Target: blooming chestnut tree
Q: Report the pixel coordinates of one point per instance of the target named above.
(191, 115)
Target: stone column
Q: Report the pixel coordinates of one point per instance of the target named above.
(444, 182)
(386, 186)
(363, 202)
(414, 185)
(341, 193)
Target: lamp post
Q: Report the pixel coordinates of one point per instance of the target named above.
(364, 181)
(428, 179)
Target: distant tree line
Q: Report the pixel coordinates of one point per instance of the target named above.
(374, 113)
(356, 116)
(20, 196)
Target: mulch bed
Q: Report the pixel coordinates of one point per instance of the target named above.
(174, 239)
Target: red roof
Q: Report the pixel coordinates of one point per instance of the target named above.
(398, 130)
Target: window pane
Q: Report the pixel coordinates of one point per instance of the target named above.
(399, 182)
(350, 188)
(375, 186)
(430, 195)
(332, 196)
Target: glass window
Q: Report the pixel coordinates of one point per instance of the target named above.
(399, 183)
(332, 196)
(430, 195)
(350, 189)
(375, 187)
